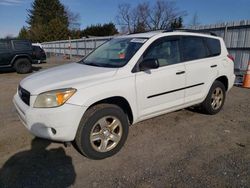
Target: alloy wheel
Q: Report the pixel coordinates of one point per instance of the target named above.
(106, 134)
(217, 98)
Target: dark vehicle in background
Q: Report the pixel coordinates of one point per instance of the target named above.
(17, 54)
(39, 54)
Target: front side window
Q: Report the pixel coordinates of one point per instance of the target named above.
(114, 53)
(165, 50)
(193, 48)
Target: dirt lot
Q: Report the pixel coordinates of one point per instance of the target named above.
(180, 149)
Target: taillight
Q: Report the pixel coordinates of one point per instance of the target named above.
(230, 57)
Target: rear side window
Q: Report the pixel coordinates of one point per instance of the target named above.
(22, 45)
(193, 48)
(213, 46)
(4, 45)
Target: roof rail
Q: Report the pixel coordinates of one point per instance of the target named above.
(191, 30)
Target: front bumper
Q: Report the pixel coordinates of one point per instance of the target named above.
(60, 123)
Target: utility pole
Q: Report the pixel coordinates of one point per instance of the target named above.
(70, 52)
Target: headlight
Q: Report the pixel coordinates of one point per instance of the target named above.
(53, 98)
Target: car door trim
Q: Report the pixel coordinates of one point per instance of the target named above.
(175, 90)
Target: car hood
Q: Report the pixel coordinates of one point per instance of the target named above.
(72, 75)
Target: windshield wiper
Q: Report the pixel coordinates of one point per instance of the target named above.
(111, 65)
(93, 64)
(101, 64)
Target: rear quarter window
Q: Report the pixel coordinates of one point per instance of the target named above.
(213, 46)
(22, 45)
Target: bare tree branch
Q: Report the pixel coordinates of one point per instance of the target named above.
(124, 16)
(146, 16)
(73, 18)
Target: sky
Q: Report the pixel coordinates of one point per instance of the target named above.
(13, 13)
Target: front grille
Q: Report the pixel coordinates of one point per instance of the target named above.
(24, 95)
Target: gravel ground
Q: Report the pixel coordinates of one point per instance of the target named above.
(179, 149)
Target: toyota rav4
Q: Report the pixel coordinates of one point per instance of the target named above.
(124, 81)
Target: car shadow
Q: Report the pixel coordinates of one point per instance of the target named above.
(38, 167)
(6, 70)
(36, 68)
(195, 109)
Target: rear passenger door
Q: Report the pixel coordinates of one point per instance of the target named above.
(5, 53)
(163, 88)
(201, 67)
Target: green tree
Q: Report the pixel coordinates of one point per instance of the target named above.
(109, 29)
(100, 30)
(23, 33)
(47, 20)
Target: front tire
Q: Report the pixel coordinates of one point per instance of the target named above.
(215, 99)
(102, 132)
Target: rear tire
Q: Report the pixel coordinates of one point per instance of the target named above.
(102, 132)
(215, 99)
(23, 66)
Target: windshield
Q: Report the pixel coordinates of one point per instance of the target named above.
(114, 53)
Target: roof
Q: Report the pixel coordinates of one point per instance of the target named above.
(142, 35)
(177, 31)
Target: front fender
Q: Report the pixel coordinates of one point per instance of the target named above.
(124, 88)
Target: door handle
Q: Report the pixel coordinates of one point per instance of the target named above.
(212, 66)
(181, 72)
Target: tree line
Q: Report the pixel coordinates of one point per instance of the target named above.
(50, 20)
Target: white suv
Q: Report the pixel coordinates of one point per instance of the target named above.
(126, 80)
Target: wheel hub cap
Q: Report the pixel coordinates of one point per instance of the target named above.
(217, 98)
(106, 134)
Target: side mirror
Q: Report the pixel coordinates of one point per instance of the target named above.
(147, 64)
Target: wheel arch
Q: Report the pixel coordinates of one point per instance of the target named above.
(224, 80)
(119, 101)
(19, 57)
